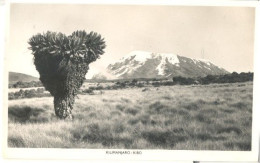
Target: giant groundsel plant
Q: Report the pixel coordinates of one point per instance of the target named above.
(62, 62)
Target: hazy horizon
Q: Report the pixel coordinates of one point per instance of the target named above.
(224, 34)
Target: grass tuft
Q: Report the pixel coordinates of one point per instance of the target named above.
(230, 130)
(239, 105)
(163, 138)
(16, 142)
(203, 118)
(132, 111)
(207, 136)
(23, 114)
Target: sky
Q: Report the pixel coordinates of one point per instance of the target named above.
(224, 34)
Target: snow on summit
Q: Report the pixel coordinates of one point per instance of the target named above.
(205, 61)
(171, 58)
(140, 56)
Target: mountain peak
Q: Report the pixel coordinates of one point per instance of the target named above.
(139, 64)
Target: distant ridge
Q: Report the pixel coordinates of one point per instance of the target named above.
(15, 77)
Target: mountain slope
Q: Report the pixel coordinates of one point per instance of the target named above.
(15, 77)
(139, 64)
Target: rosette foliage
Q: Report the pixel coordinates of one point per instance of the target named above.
(62, 62)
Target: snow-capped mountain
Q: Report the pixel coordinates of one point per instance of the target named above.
(140, 64)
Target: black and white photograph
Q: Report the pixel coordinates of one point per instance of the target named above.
(130, 78)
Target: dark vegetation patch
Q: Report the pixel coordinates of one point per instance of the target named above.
(170, 111)
(159, 107)
(178, 130)
(217, 102)
(113, 113)
(168, 122)
(23, 114)
(210, 112)
(243, 146)
(156, 107)
(92, 114)
(229, 130)
(133, 121)
(119, 128)
(229, 121)
(132, 111)
(167, 97)
(184, 113)
(207, 136)
(247, 122)
(145, 119)
(89, 91)
(104, 135)
(125, 100)
(203, 118)
(163, 138)
(196, 105)
(192, 106)
(229, 145)
(239, 105)
(145, 89)
(227, 110)
(16, 142)
(120, 107)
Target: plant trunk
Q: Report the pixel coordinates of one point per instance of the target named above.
(63, 107)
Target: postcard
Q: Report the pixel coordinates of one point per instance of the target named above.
(133, 81)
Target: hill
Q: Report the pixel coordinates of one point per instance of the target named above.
(15, 77)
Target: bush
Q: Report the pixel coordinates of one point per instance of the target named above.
(108, 87)
(156, 84)
(27, 94)
(168, 83)
(40, 90)
(89, 91)
(91, 87)
(134, 81)
(183, 81)
(31, 84)
(99, 87)
(140, 85)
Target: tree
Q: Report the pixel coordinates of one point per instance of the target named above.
(62, 62)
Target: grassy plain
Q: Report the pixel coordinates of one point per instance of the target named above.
(196, 117)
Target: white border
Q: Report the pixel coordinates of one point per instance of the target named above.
(153, 155)
(247, 3)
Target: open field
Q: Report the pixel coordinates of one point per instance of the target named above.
(195, 117)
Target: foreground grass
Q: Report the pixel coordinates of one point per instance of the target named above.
(211, 117)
